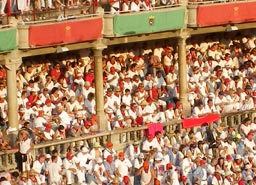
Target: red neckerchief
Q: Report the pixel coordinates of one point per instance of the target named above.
(135, 149)
(238, 162)
(33, 179)
(24, 139)
(193, 55)
(200, 62)
(217, 177)
(148, 5)
(121, 124)
(229, 179)
(158, 140)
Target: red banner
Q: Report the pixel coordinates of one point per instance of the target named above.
(193, 122)
(65, 32)
(217, 14)
(154, 127)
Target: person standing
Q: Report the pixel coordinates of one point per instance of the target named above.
(54, 171)
(23, 157)
(147, 174)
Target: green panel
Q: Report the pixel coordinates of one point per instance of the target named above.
(7, 39)
(170, 19)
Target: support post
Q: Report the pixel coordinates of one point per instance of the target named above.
(99, 91)
(12, 63)
(183, 71)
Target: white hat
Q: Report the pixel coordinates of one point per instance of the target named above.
(248, 166)
(99, 160)
(238, 156)
(217, 57)
(39, 102)
(191, 79)
(85, 149)
(250, 155)
(141, 155)
(201, 78)
(244, 40)
(227, 173)
(249, 178)
(159, 156)
(47, 156)
(220, 171)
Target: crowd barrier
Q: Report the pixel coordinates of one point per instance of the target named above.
(120, 138)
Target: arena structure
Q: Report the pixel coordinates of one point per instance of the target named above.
(35, 32)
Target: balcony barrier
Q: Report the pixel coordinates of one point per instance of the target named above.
(7, 38)
(120, 138)
(59, 31)
(162, 18)
(221, 12)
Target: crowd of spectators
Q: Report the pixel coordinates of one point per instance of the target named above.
(202, 156)
(112, 6)
(56, 99)
(140, 86)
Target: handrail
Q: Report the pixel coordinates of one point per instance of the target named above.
(6, 26)
(142, 10)
(57, 20)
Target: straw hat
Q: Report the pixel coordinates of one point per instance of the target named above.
(116, 180)
(24, 175)
(144, 103)
(24, 132)
(32, 172)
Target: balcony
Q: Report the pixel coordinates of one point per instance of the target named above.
(157, 20)
(63, 30)
(7, 38)
(213, 13)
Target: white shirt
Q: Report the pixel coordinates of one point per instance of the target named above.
(135, 7)
(25, 146)
(64, 119)
(53, 170)
(39, 122)
(123, 167)
(37, 166)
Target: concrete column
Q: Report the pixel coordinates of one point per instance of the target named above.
(12, 64)
(99, 92)
(183, 71)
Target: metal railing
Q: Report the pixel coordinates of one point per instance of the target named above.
(120, 138)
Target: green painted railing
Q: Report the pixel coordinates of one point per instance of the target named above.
(7, 39)
(149, 21)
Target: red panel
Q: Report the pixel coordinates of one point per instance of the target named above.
(193, 122)
(65, 32)
(209, 15)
